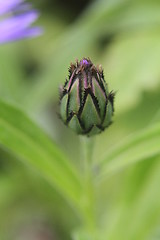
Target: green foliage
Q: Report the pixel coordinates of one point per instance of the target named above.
(108, 189)
(23, 138)
(138, 147)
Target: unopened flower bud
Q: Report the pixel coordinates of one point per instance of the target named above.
(86, 106)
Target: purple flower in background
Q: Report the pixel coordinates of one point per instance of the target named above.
(16, 18)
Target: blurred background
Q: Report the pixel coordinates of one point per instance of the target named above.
(123, 36)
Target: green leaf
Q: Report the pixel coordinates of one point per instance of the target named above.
(137, 71)
(136, 148)
(23, 138)
(11, 74)
(145, 210)
(135, 210)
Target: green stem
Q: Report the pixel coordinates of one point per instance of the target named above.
(89, 204)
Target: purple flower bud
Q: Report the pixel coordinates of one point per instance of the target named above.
(86, 105)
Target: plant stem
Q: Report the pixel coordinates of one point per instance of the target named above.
(89, 205)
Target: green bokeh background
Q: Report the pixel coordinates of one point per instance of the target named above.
(123, 36)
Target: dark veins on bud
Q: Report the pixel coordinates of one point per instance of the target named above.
(86, 105)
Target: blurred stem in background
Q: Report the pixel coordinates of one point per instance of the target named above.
(89, 203)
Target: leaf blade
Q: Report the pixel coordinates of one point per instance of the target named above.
(27, 141)
(136, 148)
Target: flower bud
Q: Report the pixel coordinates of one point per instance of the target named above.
(86, 106)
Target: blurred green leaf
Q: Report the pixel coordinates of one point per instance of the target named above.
(145, 209)
(11, 74)
(23, 138)
(136, 211)
(125, 123)
(136, 60)
(136, 148)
